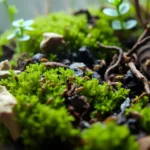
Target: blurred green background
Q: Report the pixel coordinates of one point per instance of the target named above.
(31, 8)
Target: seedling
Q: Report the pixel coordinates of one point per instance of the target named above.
(118, 11)
(11, 10)
(20, 26)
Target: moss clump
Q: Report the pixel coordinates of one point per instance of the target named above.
(103, 97)
(42, 110)
(144, 111)
(75, 30)
(106, 137)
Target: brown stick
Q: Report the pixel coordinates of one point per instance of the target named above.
(137, 45)
(51, 64)
(140, 77)
(116, 64)
(138, 13)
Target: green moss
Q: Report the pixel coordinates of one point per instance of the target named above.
(75, 30)
(106, 137)
(144, 112)
(41, 108)
(103, 97)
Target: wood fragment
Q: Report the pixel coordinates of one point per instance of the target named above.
(116, 64)
(140, 76)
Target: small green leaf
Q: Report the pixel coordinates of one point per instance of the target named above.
(130, 24)
(28, 22)
(13, 9)
(11, 36)
(18, 23)
(115, 2)
(28, 28)
(116, 25)
(111, 1)
(110, 12)
(24, 38)
(124, 8)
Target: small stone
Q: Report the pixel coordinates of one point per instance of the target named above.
(51, 42)
(7, 115)
(4, 65)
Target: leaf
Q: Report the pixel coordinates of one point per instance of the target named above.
(115, 2)
(18, 23)
(130, 24)
(29, 28)
(24, 38)
(116, 25)
(11, 36)
(28, 22)
(110, 12)
(124, 8)
(111, 1)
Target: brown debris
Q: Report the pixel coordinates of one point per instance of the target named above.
(116, 64)
(140, 76)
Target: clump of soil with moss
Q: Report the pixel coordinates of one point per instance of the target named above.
(76, 83)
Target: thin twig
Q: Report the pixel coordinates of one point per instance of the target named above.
(51, 64)
(138, 13)
(137, 45)
(141, 77)
(136, 100)
(116, 64)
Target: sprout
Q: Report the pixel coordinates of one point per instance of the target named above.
(119, 10)
(20, 26)
(11, 10)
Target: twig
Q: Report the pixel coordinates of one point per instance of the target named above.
(55, 64)
(140, 77)
(137, 45)
(116, 64)
(138, 13)
(136, 100)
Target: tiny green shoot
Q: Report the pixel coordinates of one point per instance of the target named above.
(20, 26)
(120, 8)
(10, 9)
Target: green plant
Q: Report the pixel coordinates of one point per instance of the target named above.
(20, 26)
(118, 11)
(106, 137)
(74, 29)
(11, 10)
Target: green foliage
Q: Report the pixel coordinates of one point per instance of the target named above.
(19, 27)
(40, 120)
(104, 98)
(75, 30)
(143, 110)
(41, 109)
(118, 11)
(46, 123)
(106, 137)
